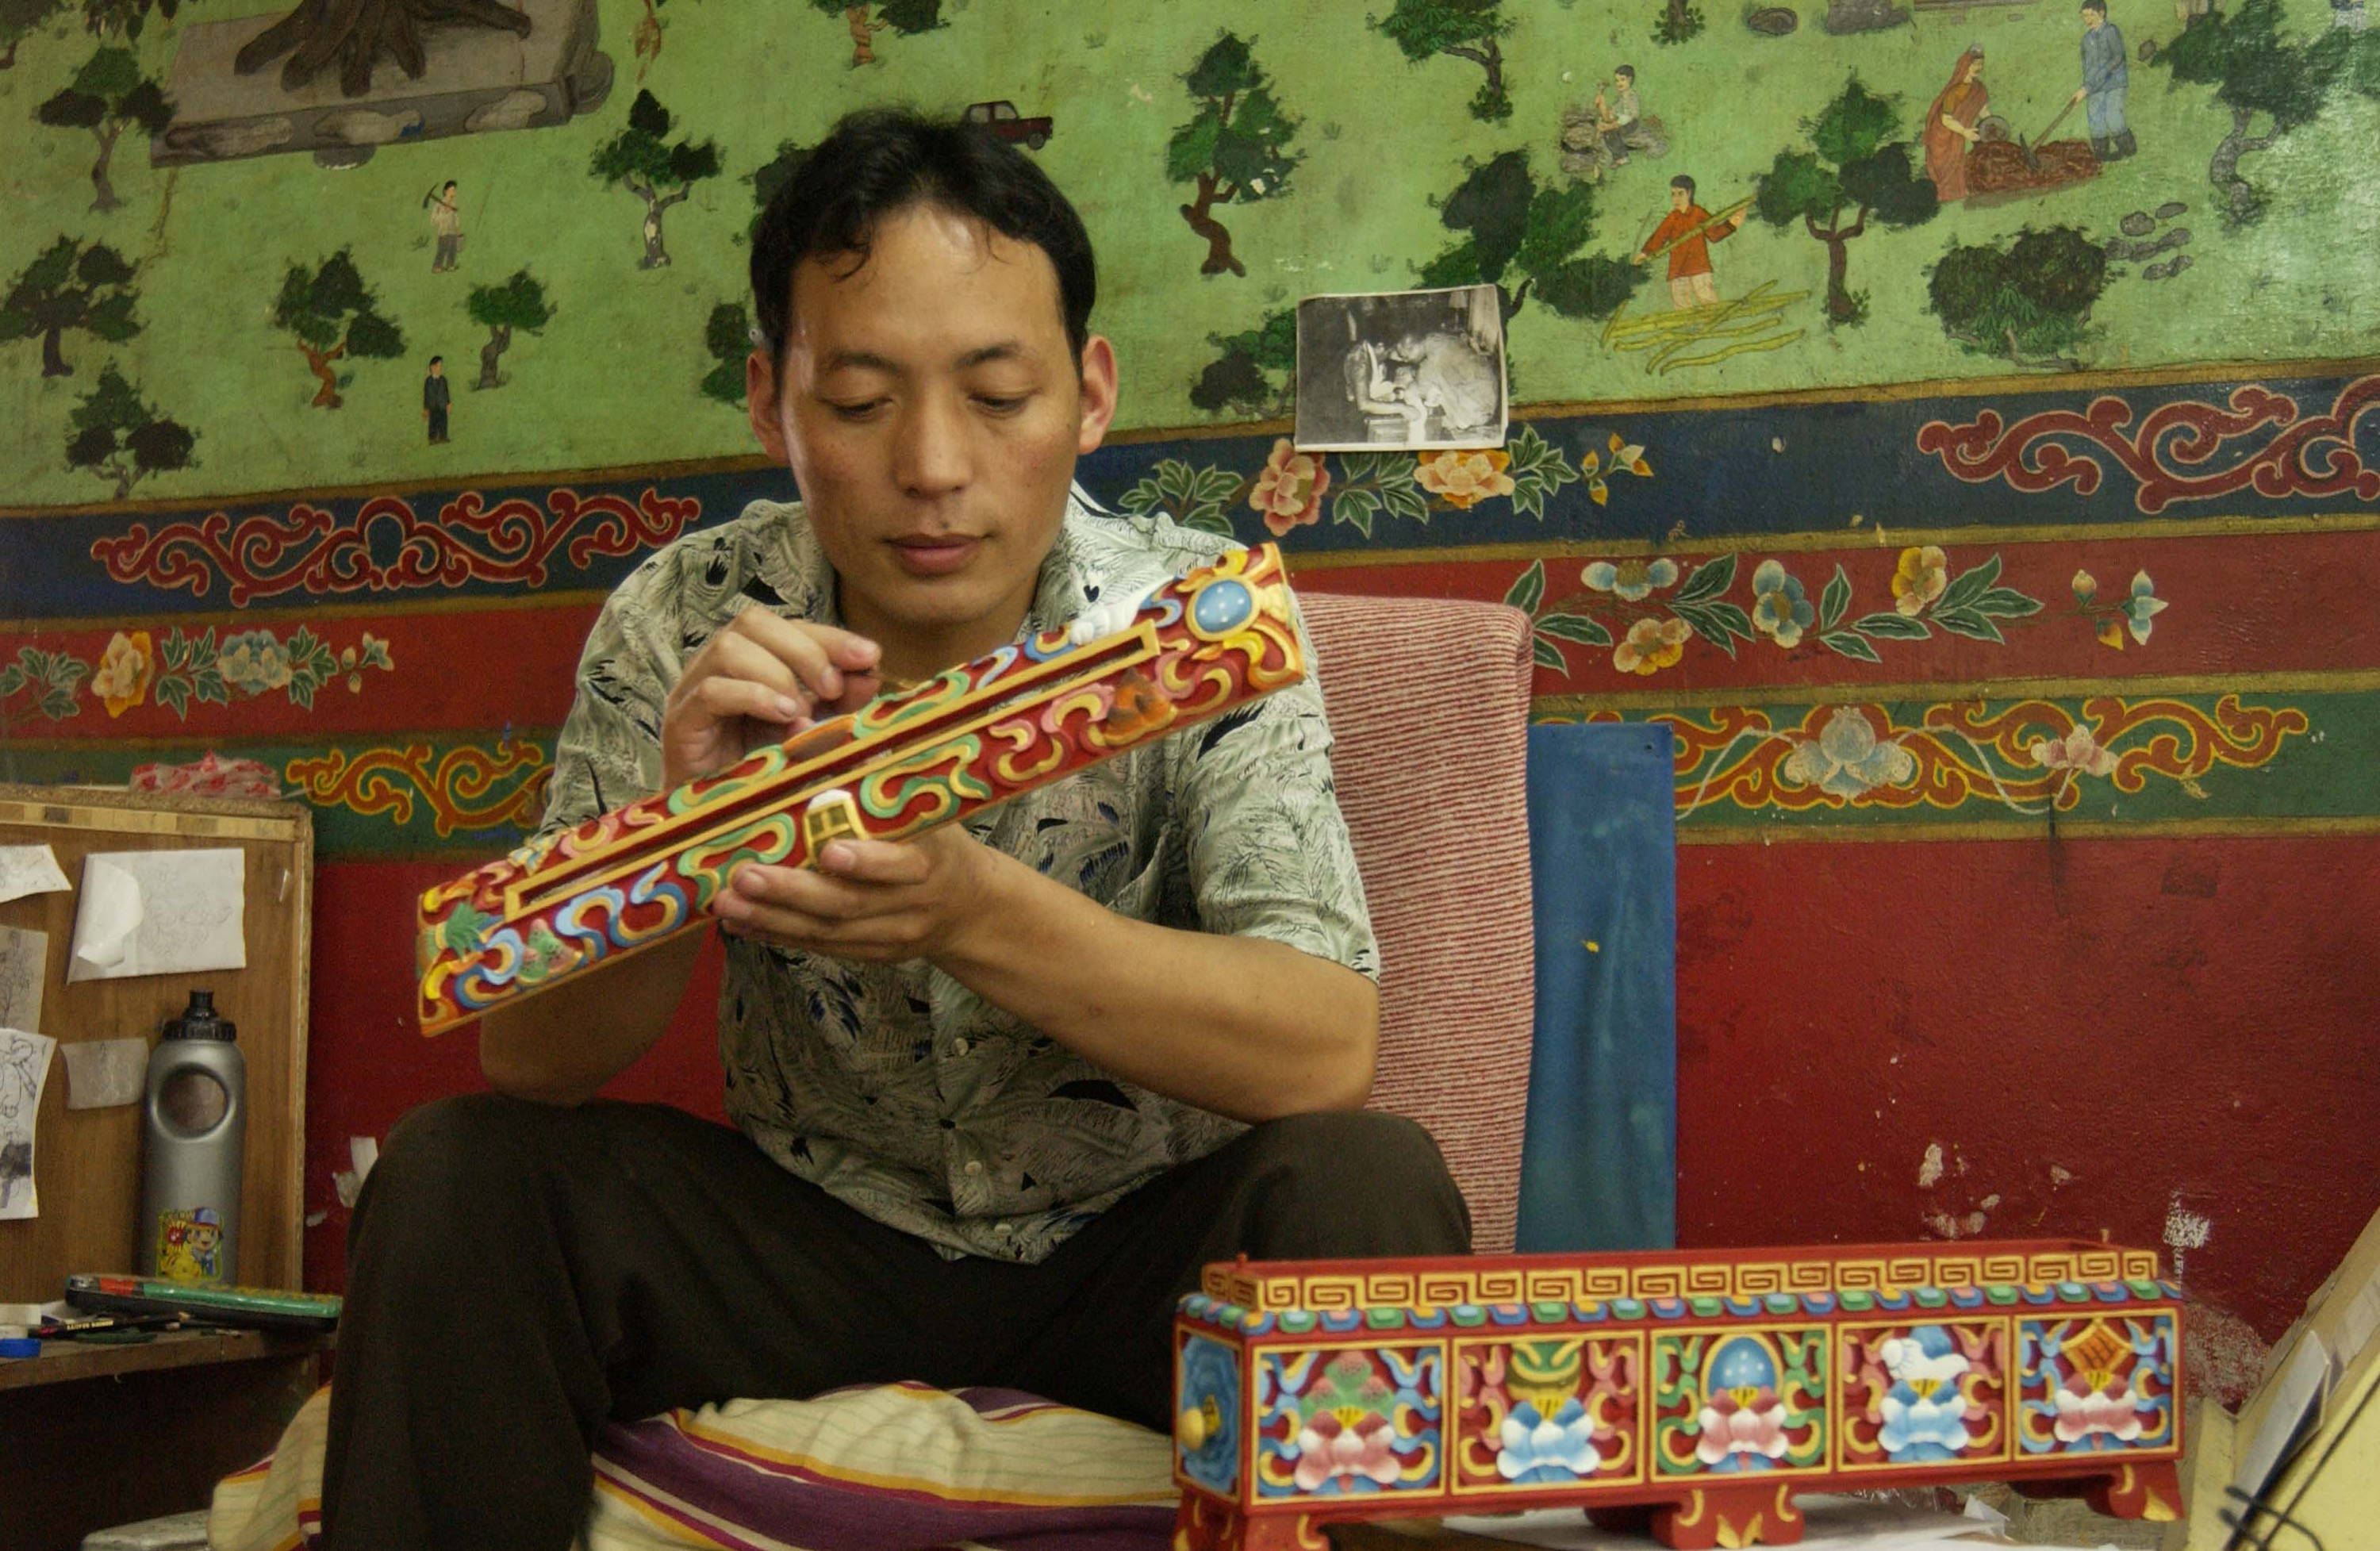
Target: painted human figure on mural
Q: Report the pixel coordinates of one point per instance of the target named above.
(1616, 117)
(2105, 75)
(1951, 125)
(445, 209)
(437, 395)
(1685, 234)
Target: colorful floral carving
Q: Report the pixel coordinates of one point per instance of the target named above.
(121, 680)
(314, 551)
(1210, 1388)
(1924, 1412)
(1335, 1423)
(1462, 480)
(2096, 1383)
(2315, 456)
(1740, 1404)
(1923, 1393)
(1288, 491)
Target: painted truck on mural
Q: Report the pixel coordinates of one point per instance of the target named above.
(1690, 1393)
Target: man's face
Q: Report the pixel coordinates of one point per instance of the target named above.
(930, 410)
(437, 369)
(1623, 81)
(2091, 20)
(1679, 198)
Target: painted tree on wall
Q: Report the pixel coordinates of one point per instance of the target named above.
(1856, 165)
(2256, 72)
(1254, 373)
(108, 95)
(906, 17)
(1236, 148)
(70, 286)
(1461, 28)
(123, 18)
(727, 335)
(1677, 22)
(640, 158)
(334, 317)
(2029, 303)
(19, 19)
(772, 176)
(1527, 240)
(119, 437)
(518, 303)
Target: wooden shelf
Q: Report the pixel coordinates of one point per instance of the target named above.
(62, 1361)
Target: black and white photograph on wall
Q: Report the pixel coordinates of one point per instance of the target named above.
(1417, 369)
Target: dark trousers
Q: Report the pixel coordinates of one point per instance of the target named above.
(518, 1274)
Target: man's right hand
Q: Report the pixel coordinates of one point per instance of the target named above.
(761, 680)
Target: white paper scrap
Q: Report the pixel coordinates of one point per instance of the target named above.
(29, 869)
(24, 1068)
(24, 965)
(159, 912)
(104, 1072)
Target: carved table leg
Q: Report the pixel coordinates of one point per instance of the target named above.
(2147, 1489)
(1203, 1524)
(1749, 1514)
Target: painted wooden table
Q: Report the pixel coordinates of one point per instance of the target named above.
(1690, 1393)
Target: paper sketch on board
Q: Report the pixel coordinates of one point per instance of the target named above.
(24, 961)
(28, 869)
(159, 912)
(102, 1073)
(24, 1067)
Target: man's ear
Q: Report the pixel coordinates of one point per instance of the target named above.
(1100, 389)
(760, 403)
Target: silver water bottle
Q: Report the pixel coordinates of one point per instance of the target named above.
(195, 1121)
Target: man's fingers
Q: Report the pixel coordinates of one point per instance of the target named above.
(724, 699)
(820, 654)
(875, 860)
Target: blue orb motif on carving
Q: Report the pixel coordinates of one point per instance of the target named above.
(1222, 606)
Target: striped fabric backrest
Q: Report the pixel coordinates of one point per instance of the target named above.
(1428, 701)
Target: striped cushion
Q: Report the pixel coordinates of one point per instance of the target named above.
(893, 1467)
(1428, 701)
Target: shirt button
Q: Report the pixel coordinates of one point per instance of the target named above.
(975, 1166)
(958, 1047)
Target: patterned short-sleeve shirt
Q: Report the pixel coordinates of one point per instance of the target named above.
(893, 1087)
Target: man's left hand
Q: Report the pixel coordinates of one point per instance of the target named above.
(2080, 92)
(877, 901)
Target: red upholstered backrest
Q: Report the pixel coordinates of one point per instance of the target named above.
(1428, 701)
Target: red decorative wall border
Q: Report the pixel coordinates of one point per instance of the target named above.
(314, 551)
(2311, 457)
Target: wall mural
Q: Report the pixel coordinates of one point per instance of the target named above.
(1953, 424)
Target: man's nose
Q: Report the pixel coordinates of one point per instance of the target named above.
(931, 454)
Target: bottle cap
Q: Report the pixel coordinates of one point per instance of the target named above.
(201, 1021)
(20, 1346)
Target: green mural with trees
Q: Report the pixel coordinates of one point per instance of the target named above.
(1228, 159)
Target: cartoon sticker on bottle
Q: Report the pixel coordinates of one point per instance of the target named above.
(189, 1245)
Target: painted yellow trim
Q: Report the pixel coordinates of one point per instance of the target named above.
(2345, 681)
(319, 612)
(2031, 830)
(352, 743)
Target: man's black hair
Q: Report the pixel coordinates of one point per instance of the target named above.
(2098, 6)
(879, 161)
(1683, 181)
(1628, 70)
(436, 360)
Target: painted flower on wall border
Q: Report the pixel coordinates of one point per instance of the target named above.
(1651, 645)
(1922, 573)
(2076, 751)
(121, 680)
(2142, 606)
(1781, 610)
(1847, 758)
(1289, 490)
(1630, 580)
(254, 662)
(1465, 478)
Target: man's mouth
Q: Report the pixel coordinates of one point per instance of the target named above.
(933, 555)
